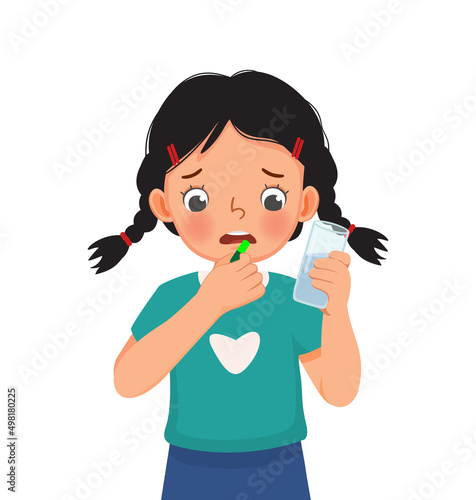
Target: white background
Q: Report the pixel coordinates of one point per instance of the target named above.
(414, 409)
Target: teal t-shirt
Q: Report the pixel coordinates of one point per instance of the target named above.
(243, 396)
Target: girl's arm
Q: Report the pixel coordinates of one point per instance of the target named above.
(335, 367)
(142, 365)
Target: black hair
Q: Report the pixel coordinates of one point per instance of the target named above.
(253, 102)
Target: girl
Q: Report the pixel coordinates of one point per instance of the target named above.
(228, 159)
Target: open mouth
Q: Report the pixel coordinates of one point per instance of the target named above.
(237, 237)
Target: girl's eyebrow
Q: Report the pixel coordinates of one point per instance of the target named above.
(271, 173)
(191, 175)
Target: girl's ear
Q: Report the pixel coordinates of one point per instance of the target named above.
(158, 207)
(310, 202)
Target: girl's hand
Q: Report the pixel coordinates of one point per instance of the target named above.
(331, 275)
(232, 285)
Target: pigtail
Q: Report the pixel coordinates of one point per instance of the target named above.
(321, 172)
(362, 240)
(112, 249)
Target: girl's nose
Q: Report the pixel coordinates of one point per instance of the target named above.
(234, 209)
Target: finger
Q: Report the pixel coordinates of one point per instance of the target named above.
(324, 286)
(247, 271)
(237, 264)
(258, 291)
(340, 256)
(224, 260)
(243, 261)
(330, 264)
(327, 263)
(252, 281)
(323, 274)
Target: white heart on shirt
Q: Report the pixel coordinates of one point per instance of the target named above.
(235, 355)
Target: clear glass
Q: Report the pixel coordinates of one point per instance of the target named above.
(324, 238)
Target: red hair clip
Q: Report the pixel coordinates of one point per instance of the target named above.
(126, 239)
(173, 154)
(297, 148)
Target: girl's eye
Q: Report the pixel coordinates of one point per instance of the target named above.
(195, 199)
(273, 198)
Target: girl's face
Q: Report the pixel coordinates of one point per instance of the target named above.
(238, 189)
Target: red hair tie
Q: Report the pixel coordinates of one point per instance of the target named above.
(173, 154)
(351, 228)
(297, 148)
(126, 239)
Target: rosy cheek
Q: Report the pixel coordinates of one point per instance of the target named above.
(274, 226)
(198, 227)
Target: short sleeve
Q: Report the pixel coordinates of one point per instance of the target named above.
(167, 300)
(307, 330)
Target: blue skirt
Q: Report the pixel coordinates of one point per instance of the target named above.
(277, 473)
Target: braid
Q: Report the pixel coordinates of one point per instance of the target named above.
(328, 209)
(112, 249)
(144, 220)
(362, 240)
